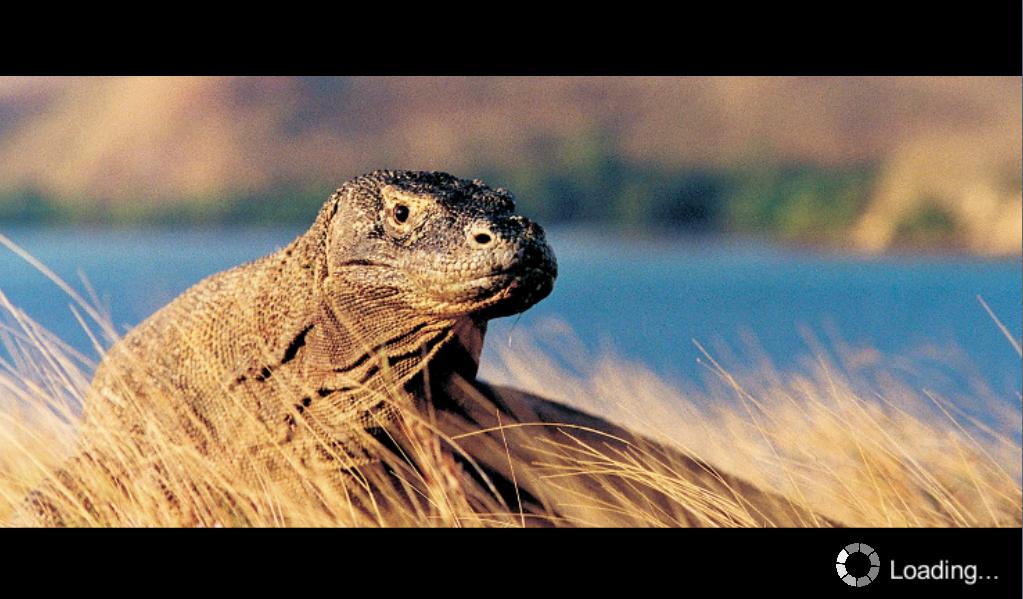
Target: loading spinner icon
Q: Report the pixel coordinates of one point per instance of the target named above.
(843, 572)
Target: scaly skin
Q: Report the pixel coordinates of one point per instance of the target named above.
(310, 345)
(344, 315)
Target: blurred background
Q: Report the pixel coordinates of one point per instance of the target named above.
(752, 214)
(867, 163)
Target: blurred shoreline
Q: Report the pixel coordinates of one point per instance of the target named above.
(861, 163)
(607, 232)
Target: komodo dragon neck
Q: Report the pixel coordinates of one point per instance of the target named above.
(309, 322)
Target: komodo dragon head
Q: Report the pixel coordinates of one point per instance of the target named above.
(403, 254)
(440, 244)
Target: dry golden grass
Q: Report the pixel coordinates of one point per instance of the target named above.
(863, 452)
(860, 452)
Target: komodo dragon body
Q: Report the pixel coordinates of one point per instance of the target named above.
(369, 325)
(333, 326)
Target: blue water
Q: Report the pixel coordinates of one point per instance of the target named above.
(645, 299)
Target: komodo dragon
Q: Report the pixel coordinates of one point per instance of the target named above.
(328, 352)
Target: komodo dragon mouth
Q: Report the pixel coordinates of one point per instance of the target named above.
(503, 293)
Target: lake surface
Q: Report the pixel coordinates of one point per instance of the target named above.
(644, 299)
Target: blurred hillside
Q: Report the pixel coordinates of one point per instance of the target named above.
(860, 162)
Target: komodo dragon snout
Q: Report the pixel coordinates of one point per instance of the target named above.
(445, 245)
